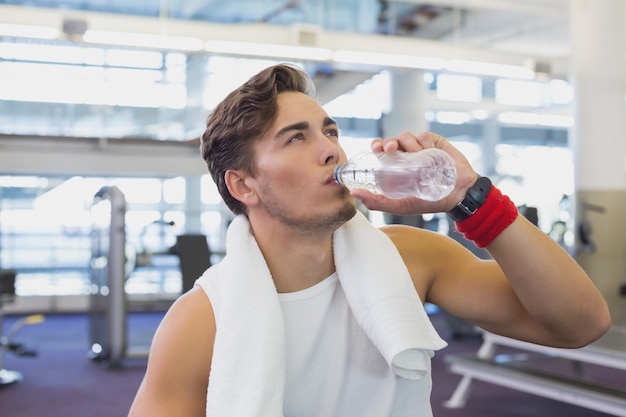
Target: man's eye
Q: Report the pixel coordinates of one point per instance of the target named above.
(297, 137)
(332, 132)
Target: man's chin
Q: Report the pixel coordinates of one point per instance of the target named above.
(346, 212)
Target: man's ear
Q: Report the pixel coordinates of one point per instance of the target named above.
(236, 184)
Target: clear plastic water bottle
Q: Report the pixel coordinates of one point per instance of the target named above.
(429, 174)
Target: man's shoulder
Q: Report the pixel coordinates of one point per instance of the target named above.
(192, 303)
(400, 232)
(417, 245)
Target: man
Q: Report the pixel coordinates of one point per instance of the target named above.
(272, 151)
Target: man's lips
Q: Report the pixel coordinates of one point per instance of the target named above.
(331, 180)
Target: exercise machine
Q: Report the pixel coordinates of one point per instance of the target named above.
(108, 312)
(8, 343)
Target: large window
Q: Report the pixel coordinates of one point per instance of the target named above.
(96, 92)
(537, 176)
(71, 90)
(46, 224)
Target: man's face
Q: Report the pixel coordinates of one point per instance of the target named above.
(295, 161)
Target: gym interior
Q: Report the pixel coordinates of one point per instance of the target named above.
(108, 214)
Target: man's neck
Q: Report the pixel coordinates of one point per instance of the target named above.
(297, 260)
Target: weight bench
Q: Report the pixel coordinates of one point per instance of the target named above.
(510, 371)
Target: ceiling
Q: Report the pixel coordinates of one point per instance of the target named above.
(538, 28)
(530, 33)
(500, 31)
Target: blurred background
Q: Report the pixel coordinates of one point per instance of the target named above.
(107, 213)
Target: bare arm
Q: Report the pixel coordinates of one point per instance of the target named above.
(554, 290)
(533, 291)
(178, 368)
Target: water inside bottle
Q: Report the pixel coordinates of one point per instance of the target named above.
(426, 184)
(357, 178)
(397, 175)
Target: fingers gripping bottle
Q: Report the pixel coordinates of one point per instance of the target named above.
(429, 174)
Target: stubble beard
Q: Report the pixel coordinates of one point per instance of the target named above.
(316, 221)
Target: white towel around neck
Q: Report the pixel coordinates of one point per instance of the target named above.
(248, 367)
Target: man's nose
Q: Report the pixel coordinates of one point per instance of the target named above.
(330, 153)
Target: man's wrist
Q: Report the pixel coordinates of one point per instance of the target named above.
(473, 200)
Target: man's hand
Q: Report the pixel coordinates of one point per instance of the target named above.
(408, 142)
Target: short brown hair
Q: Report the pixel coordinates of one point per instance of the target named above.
(244, 116)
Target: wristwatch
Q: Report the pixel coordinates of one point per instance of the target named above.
(474, 198)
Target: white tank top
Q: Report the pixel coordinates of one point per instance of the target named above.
(333, 370)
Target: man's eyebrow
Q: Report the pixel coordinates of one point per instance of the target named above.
(294, 126)
(328, 121)
(302, 126)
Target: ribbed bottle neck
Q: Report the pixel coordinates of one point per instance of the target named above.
(338, 174)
